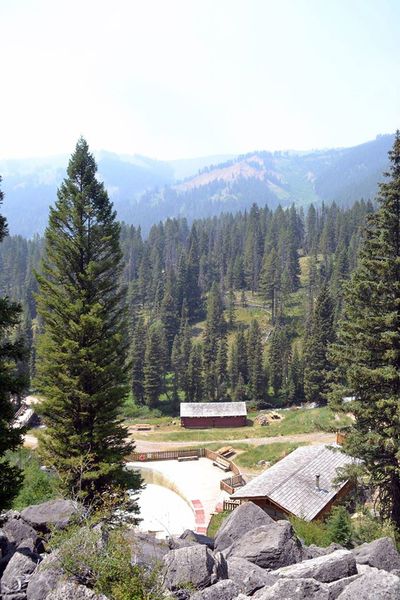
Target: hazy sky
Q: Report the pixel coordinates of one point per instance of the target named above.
(185, 78)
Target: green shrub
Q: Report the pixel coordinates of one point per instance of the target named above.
(101, 559)
(339, 526)
(38, 486)
(367, 527)
(314, 532)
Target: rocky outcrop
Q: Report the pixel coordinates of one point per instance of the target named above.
(261, 562)
(381, 554)
(54, 513)
(194, 567)
(243, 519)
(270, 546)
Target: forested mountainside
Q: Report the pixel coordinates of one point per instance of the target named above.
(145, 191)
(239, 306)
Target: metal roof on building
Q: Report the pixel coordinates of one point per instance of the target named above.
(213, 409)
(292, 483)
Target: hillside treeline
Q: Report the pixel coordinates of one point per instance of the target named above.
(191, 293)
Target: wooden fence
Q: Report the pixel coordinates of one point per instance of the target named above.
(230, 505)
(231, 484)
(165, 455)
(175, 454)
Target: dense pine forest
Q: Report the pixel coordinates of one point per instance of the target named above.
(236, 307)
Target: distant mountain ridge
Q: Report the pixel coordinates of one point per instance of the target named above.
(145, 190)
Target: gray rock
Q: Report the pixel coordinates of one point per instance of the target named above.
(17, 530)
(379, 585)
(337, 587)
(313, 551)
(46, 577)
(270, 547)
(192, 536)
(175, 543)
(330, 567)
(223, 590)
(195, 566)
(145, 548)
(381, 554)
(18, 571)
(248, 576)
(70, 590)
(3, 544)
(296, 589)
(54, 513)
(245, 517)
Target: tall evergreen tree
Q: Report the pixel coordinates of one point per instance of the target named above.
(367, 352)
(214, 332)
(82, 369)
(317, 363)
(137, 360)
(257, 380)
(154, 364)
(194, 375)
(11, 384)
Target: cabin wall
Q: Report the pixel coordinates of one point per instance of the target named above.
(210, 422)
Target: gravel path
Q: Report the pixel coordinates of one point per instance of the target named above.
(309, 438)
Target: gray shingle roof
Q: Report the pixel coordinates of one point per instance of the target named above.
(291, 482)
(213, 409)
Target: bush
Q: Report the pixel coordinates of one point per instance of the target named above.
(38, 486)
(314, 532)
(339, 527)
(367, 528)
(101, 559)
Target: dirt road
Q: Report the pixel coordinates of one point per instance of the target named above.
(308, 438)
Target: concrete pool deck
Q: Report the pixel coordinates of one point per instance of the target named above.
(197, 481)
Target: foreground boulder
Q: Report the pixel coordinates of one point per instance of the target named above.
(330, 567)
(313, 551)
(270, 547)
(244, 518)
(223, 590)
(18, 571)
(54, 513)
(381, 554)
(16, 530)
(145, 548)
(195, 566)
(248, 576)
(46, 577)
(199, 538)
(296, 589)
(374, 585)
(73, 591)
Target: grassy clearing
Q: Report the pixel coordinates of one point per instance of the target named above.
(268, 452)
(294, 422)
